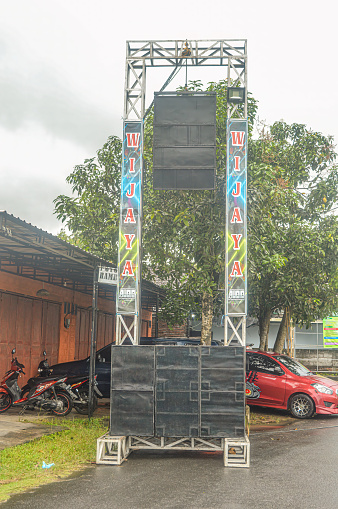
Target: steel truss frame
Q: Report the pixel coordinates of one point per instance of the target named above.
(177, 443)
(237, 332)
(140, 55)
(114, 450)
(230, 53)
(124, 332)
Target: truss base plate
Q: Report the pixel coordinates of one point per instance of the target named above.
(237, 452)
(111, 450)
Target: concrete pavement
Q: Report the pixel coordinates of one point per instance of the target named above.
(294, 467)
(15, 432)
(17, 427)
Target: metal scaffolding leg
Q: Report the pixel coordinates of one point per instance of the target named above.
(237, 452)
(123, 331)
(238, 330)
(111, 450)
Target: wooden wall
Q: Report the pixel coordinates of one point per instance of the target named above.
(33, 324)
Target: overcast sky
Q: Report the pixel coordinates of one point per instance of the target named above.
(62, 77)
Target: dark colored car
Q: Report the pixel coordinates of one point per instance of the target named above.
(102, 369)
(103, 358)
(275, 380)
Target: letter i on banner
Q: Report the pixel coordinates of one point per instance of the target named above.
(236, 218)
(127, 296)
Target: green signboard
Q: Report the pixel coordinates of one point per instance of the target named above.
(330, 332)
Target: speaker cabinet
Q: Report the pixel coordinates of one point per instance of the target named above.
(184, 151)
(178, 391)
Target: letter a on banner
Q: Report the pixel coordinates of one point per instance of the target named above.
(236, 220)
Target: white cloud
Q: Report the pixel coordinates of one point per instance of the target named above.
(34, 167)
(62, 77)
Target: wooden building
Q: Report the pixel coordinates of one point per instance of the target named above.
(46, 287)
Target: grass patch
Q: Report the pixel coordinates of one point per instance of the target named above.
(268, 416)
(70, 450)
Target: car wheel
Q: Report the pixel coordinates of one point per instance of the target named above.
(302, 406)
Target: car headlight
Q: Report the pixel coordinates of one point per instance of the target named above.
(337, 392)
(322, 388)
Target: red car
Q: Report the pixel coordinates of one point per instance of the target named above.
(275, 380)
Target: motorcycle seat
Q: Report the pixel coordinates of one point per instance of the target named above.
(40, 379)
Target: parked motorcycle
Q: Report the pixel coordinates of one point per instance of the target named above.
(79, 387)
(46, 393)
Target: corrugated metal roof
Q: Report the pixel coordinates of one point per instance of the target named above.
(31, 252)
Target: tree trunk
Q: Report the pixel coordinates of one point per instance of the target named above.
(264, 325)
(281, 335)
(207, 315)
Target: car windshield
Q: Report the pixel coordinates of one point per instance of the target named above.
(294, 366)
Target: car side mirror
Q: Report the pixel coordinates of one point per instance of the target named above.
(279, 371)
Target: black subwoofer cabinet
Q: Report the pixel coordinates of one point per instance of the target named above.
(177, 391)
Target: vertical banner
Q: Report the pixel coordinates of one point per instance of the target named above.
(130, 220)
(236, 221)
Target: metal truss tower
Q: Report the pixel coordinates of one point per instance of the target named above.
(141, 55)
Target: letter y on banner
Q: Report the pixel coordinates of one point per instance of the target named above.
(236, 220)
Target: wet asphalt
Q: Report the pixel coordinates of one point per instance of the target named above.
(291, 467)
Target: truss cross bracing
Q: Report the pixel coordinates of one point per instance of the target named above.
(237, 332)
(230, 53)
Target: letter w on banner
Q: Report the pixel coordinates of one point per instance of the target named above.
(236, 218)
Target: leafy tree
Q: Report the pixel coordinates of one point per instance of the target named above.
(92, 214)
(309, 282)
(292, 249)
(293, 185)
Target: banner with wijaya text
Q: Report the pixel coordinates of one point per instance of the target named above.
(236, 218)
(130, 219)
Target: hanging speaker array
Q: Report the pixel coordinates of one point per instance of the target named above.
(184, 147)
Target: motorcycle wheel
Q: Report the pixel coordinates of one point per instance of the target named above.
(67, 404)
(83, 409)
(5, 401)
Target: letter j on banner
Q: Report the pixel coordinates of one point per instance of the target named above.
(236, 221)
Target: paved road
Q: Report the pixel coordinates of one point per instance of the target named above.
(289, 469)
